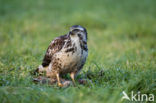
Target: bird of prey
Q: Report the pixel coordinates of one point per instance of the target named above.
(66, 54)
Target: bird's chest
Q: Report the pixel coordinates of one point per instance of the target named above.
(71, 56)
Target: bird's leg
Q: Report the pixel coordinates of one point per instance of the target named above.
(72, 75)
(58, 80)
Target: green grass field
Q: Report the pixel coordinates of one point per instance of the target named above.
(121, 42)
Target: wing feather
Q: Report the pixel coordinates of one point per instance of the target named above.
(54, 47)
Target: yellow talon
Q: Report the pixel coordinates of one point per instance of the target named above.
(72, 75)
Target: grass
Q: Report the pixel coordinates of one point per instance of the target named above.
(122, 50)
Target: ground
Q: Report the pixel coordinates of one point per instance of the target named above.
(121, 42)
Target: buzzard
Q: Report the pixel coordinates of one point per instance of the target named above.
(66, 54)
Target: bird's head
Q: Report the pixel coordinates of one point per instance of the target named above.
(78, 31)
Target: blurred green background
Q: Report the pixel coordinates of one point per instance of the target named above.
(121, 42)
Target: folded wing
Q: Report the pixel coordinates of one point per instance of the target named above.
(54, 47)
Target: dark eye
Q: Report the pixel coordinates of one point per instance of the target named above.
(79, 35)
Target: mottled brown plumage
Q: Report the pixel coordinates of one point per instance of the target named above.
(66, 54)
(55, 46)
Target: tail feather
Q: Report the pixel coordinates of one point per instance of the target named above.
(37, 71)
(40, 70)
